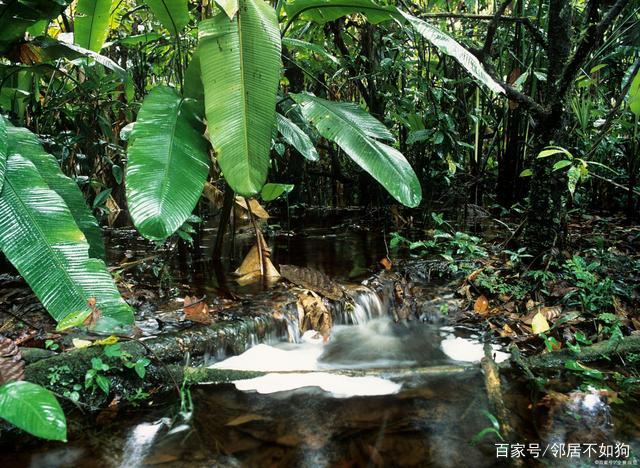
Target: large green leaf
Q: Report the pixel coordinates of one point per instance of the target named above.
(50, 49)
(322, 11)
(353, 131)
(26, 144)
(41, 239)
(193, 80)
(33, 409)
(294, 135)
(634, 95)
(3, 150)
(451, 47)
(16, 16)
(240, 66)
(167, 164)
(173, 14)
(91, 23)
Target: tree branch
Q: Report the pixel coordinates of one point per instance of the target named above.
(527, 102)
(526, 22)
(493, 26)
(591, 39)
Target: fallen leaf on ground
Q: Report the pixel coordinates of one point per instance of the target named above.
(481, 305)
(474, 274)
(551, 313)
(11, 363)
(196, 310)
(539, 324)
(78, 343)
(386, 263)
(507, 331)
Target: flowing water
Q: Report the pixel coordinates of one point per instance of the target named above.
(379, 393)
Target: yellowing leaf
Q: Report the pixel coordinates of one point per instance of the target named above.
(78, 343)
(539, 324)
(107, 341)
(481, 305)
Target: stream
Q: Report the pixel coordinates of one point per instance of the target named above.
(378, 393)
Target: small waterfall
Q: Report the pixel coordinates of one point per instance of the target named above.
(366, 306)
(139, 442)
(293, 328)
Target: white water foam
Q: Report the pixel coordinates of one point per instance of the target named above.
(340, 386)
(281, 365)
(467, 350)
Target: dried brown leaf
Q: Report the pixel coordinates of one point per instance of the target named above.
(481, 305)
(11, 363)
(313, 280)
(196, 310)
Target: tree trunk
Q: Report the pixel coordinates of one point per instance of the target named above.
(546, 225)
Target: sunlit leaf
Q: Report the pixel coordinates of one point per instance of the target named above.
(4, 148)
(272, 191)
(173, 14)
(79, 344)
(353, 130)
(167, 164)
(91, 23)
(41, 239)
(33, 409)
(634, 95)
(561, 164)
(27, 144)
(230, 7)
(74, 319)
(539, 324)
(240, 66)
(451, 47)
(553, 150)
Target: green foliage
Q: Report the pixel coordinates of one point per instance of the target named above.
(4, 150)
(449, 46)
(25, 143)
(634, 95)
(40, 237)
(272, 191)
(167, 164)
(33, 409)
(240, 67)
(17, 17)
(593, 292)
(493, 429)
(323, 11)
(496, 284)
(173, 14)
(91, 23)
(357, 133)
(294, 135)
